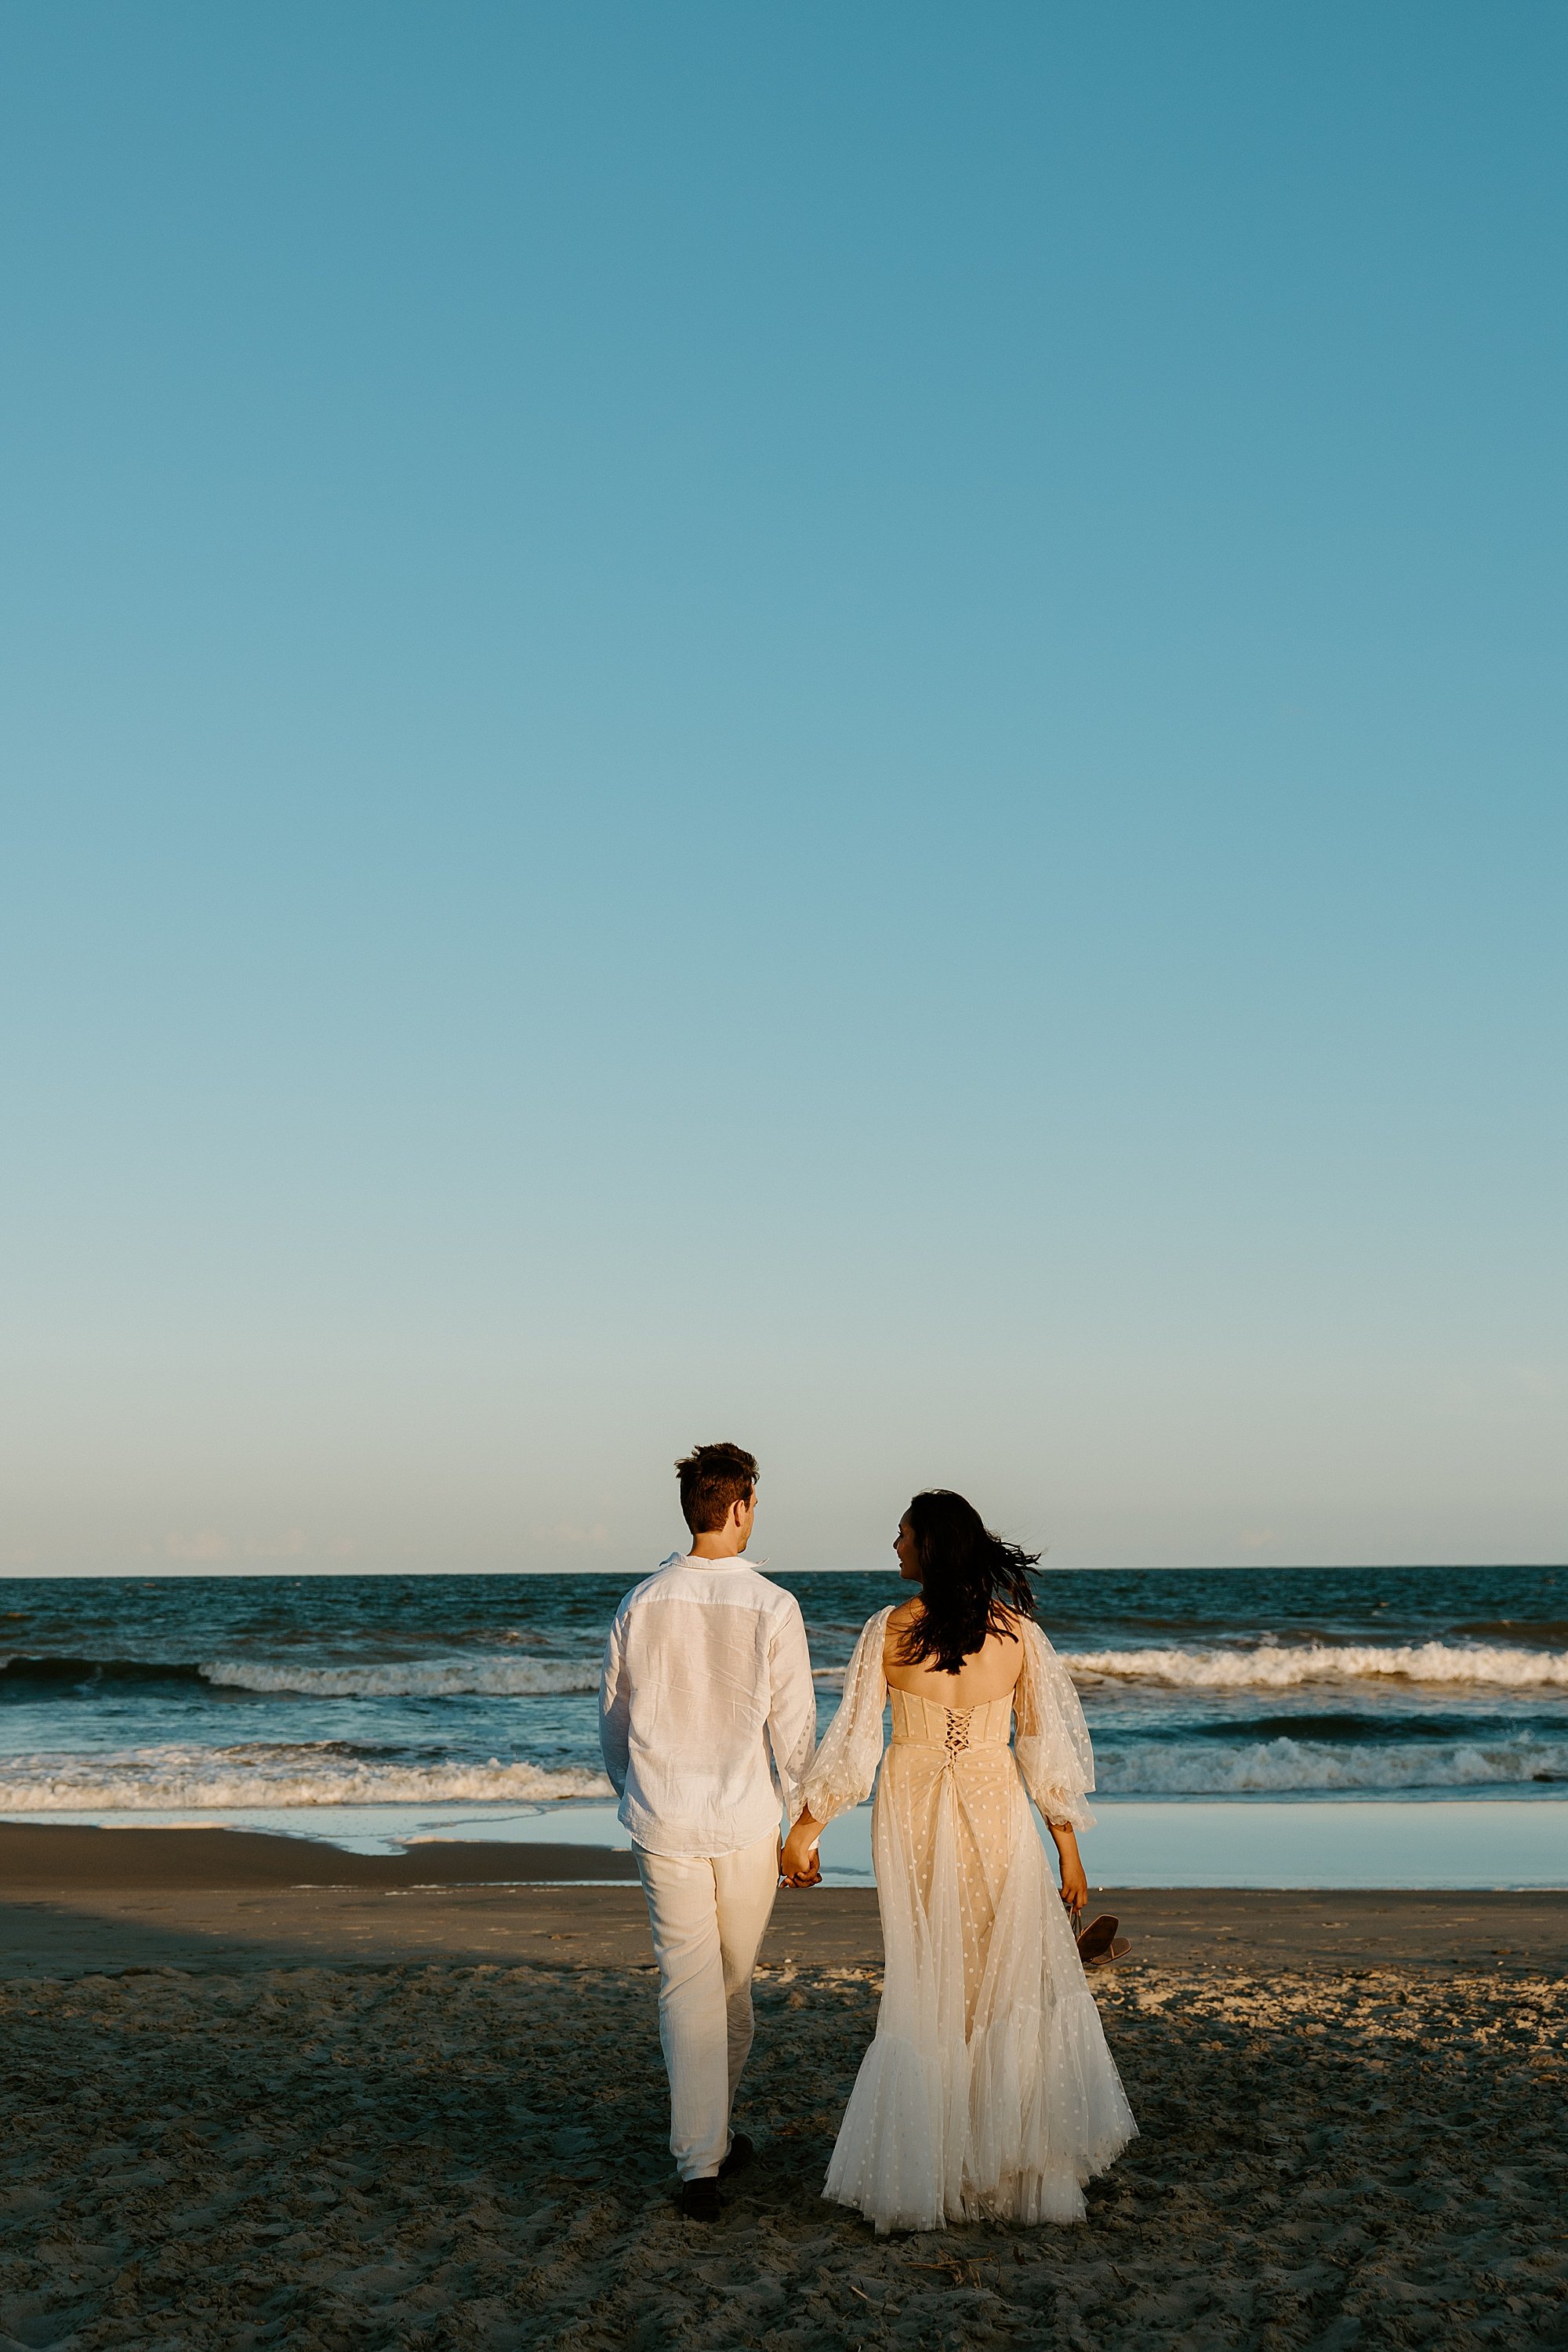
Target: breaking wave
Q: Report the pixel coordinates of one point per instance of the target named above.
(161, 1779)
(41, 1677)
(460, 1678)
(1285, 1767)
(1276, 1666)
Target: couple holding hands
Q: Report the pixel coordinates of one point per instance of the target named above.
(988, 2089)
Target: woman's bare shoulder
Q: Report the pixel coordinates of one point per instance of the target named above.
(1010, 1640)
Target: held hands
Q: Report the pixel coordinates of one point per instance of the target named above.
(799, 1862)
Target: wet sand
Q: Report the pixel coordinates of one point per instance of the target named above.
(82, 1898)
(242, 2109)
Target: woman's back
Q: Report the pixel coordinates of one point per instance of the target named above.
(986, 1674)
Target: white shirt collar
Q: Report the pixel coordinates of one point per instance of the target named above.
(691, 1560)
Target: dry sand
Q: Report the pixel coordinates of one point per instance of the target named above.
(223, 2147)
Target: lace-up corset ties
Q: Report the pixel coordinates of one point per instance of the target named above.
(956, 1730)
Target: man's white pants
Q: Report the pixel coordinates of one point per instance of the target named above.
(708, 1916)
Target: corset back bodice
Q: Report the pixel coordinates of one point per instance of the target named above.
(954, 1730)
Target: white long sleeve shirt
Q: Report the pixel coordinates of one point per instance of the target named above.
(707, 1710)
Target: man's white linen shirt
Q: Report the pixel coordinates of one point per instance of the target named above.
(707, 1710)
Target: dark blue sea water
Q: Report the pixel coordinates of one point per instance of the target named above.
(227, 1692)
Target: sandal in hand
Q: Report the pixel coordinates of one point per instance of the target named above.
(1099, 1944)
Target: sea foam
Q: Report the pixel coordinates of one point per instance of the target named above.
(1301, 1767)
(453, 1678)
(1281, 1666)
(159, 1779)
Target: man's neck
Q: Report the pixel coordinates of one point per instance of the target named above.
(716, 1547)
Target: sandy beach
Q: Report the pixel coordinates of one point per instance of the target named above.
(288, 2111)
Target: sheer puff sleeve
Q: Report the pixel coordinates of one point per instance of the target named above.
(1050, 1736)
(841, 1772)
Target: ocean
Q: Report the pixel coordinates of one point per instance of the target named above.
(206, 1694)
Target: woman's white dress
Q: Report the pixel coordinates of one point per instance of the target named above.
(988, 2089)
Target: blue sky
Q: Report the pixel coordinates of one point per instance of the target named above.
(837, 725)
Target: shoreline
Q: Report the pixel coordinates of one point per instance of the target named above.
(1310, 1844)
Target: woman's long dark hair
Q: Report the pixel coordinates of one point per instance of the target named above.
(973, 1583)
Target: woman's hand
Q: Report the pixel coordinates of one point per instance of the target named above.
(1074, 1882)
(797, 1863)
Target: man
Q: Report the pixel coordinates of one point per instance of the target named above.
(707, 1718)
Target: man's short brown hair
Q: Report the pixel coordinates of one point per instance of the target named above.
(711, 1478)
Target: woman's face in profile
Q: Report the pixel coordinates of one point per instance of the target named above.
(904, 1547)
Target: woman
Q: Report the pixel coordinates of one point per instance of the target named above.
(988, 2089)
